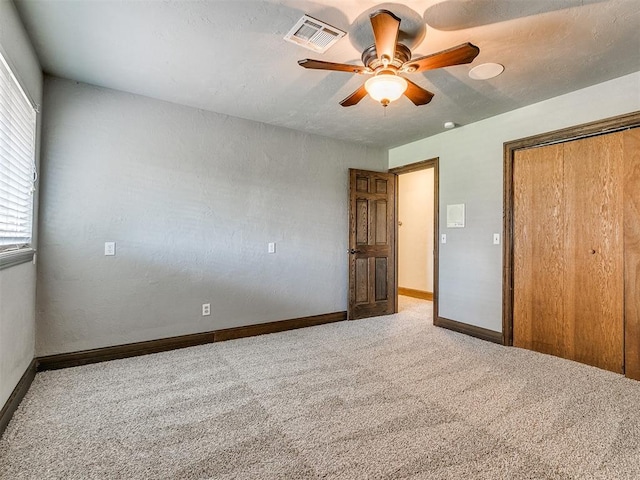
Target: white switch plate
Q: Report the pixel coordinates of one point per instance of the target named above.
(109, 248)
(272, 247)
(206, 309)
(443, 238)
(496, 239)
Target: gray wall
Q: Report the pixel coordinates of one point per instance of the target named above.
(192, 198)
(17, 284)
(471, 163)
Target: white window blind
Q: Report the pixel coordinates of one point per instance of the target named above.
(17, 162)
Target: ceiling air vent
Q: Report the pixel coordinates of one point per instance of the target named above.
(314, 34)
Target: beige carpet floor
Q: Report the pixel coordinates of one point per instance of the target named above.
(385, 398)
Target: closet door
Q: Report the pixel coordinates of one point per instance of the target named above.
(632, 252)
(594, 288)
(539, 250)
(568, 251)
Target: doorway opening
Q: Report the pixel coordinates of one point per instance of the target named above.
(417, 234)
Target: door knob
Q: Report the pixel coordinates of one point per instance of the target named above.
(353, 251)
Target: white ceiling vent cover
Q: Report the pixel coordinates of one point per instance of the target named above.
(314, 34)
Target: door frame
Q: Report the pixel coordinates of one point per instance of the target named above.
(414, 167)
(600, 127)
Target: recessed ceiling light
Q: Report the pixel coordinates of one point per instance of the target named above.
(449, 125)
(486, 71)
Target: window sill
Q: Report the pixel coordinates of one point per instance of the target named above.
(16, 257)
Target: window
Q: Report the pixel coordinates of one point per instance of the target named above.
(17, 162)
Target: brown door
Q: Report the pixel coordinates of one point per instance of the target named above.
(632, 253)
(372, 285)
(568, 251)
(594, 301)
(539, 250)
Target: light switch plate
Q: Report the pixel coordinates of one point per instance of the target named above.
(496, 239)
(109, 248)
(443, 238)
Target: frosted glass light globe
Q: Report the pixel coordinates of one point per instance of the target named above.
(385, 88)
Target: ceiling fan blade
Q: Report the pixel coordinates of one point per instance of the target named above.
(417, 94)
(385, 32)
(459, 55)
(355, 97)
(339, 67)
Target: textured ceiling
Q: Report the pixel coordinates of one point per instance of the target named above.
(230, 56)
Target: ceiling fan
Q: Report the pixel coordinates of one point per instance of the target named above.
(387, 58)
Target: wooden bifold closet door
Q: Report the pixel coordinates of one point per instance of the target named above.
(568, 254)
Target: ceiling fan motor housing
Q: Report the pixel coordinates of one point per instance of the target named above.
(371, 60)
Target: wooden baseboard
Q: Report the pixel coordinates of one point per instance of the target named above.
(280, 326)
(84, 357)
(471, 330)
(75, 359)
(17, 395)
(411, 292)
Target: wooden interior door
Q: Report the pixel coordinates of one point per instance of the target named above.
(539, 250)
(568, 251)
(594, 295)
(631, 145)
(372, 272)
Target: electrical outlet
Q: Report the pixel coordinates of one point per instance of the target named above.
(271, 247)
(206, 309)
(109, 248)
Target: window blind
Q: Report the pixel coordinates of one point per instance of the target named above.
(17, 161)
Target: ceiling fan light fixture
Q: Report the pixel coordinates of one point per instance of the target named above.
(386, 88)
(386, 58)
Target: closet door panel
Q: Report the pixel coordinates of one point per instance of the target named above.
(631, 145)
(539, 220)
(593, 280)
